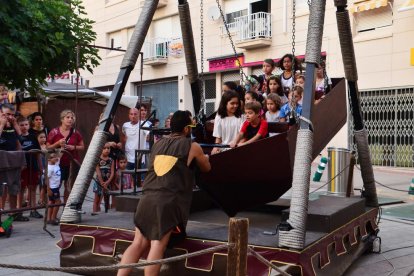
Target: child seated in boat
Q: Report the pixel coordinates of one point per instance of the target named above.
(286, 114)
(254, 128)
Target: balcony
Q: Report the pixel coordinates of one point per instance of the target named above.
(253, 30)
(161, 3)
(157, 50)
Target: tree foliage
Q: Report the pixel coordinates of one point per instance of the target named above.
(40, 37)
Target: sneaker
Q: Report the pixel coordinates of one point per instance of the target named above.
(20, 217)
(35, 214)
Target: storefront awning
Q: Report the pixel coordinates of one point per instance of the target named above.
(408, 5)
(368, 5)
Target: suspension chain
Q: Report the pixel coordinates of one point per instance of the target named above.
(202, 86)
(242, 74)
(293, 35)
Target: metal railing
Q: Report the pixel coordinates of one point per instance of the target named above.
(255, 25)
(156, 48)
(161, 47)
(233, 28)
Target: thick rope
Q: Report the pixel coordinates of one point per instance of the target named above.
(139, 34)
(347, 45)
(84, 269)
(367, 173)
(81, 185)
(266, 262)
(315, 31)
(295, 238)
(188, 41)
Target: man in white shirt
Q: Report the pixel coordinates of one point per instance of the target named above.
(135, 138)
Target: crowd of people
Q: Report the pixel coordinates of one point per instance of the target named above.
(242, 118)
(43, 176)
(244, 112)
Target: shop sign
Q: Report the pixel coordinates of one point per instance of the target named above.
(224, 64)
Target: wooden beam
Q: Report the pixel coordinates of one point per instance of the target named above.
(237, 253)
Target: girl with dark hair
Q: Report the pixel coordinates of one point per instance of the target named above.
(274, 86)
(228, 119)
(288, 74)
(229, 86)
(37, 124)
(268, 67)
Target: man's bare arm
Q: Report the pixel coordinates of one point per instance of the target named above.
(196, 152)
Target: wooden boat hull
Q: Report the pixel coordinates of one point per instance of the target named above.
(330, 254)
(261, 172)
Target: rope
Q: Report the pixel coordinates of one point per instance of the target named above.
(347, 45)
(338, 174)
(84, 269)
(388, 187)
(295, 238)
(367, 173)
(315, 31)
(188, 40)
(266, 262)
(81, 185)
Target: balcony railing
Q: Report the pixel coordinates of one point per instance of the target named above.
(256, 25)
(157, 50)
(233, 28)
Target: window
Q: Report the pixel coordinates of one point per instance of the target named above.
(372, 15)
(209, 94)
(231, 17)
(115, 40)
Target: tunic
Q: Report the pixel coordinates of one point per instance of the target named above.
(167, 190)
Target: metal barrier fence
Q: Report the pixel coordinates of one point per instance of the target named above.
(389, 120)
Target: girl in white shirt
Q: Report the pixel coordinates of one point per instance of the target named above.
(228, 119)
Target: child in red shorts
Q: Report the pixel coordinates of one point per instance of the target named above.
(30, 174)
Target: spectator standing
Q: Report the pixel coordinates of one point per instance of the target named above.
(41, 139)
(67, 138)
(123, 178)
(53, 174)
(9, 142)
(30, 174)
(4, 95)
(37, 124)
(135, 137)
(105, 171)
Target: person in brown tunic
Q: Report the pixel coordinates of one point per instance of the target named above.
(167, 193)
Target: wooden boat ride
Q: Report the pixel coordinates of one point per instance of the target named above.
(231, 187)
(336, 230)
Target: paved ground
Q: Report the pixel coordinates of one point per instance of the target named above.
(30, 245)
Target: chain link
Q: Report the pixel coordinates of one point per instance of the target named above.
(202, 86)
(242, 74)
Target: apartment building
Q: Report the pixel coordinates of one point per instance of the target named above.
(384, 45)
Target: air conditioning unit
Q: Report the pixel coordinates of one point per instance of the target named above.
(161, 3)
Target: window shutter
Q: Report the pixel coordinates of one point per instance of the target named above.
(374, 19)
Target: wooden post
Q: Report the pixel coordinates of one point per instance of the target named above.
(237, 254)
(350, 186)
